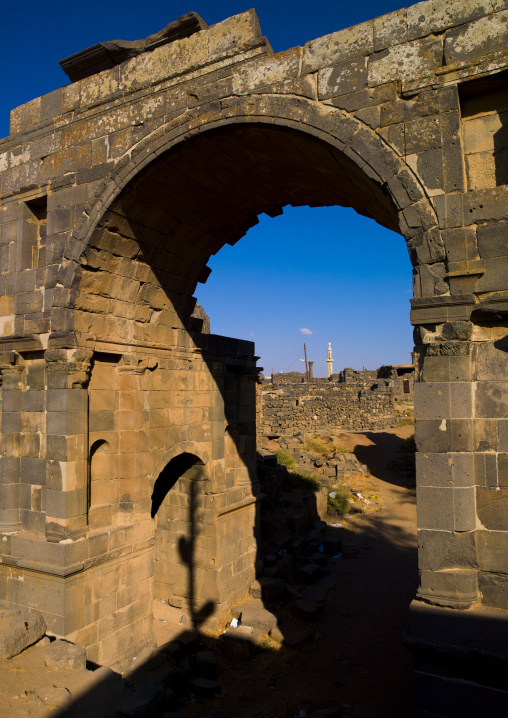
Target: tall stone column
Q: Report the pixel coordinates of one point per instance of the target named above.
(445, 469)
(65, 496)
(11, 388)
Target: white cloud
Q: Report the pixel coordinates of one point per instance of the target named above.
(304, 330)
(251, 334)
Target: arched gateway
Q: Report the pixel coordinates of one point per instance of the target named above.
(114, 192)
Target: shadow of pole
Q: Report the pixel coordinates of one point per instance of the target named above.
(187, 552)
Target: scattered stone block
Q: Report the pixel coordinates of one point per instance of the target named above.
(287, 569)
(332, 545)
(36, 702)
(272, 589)
(293, 592)
(272, 572)
(289, 634)
(147, 697)
(54, 696)
(307, 609)
(309, 573)
(240, 643)
(276, 634)
(19, 629)
(104, 673)
(61, 654)
(254, 614)
(319, 559)
(316, 593)
(205, 688)
(255, 590)
(298, 546)
(327, 582)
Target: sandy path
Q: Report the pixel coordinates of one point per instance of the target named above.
(356, 661)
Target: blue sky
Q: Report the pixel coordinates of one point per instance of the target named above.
(328, 270)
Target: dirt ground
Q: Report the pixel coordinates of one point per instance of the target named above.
(355, 660)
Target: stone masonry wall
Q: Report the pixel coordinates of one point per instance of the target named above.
(309, 407)
(86, 526)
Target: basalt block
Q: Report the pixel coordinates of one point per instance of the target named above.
(18, 630)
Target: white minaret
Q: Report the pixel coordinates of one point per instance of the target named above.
(329, 360)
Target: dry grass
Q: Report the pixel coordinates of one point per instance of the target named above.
(338, 502)
(285, 458)
(318, 446)
(325, 445)
(407, 421)
(341, 449)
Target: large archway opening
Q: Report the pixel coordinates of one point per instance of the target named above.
(151, 246)
(314, 276)
(134, 292)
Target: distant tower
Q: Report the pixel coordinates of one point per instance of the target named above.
(329, 361)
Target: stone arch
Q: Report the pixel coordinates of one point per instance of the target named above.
(178, 449)
(123, 253)
(461, 352)
(415, 215)
(167, 478)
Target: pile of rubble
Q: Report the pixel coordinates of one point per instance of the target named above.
(336, 466)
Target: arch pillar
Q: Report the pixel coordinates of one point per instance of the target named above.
(65, 495)
(445, 470)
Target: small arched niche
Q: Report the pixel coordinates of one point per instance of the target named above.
(103, 489)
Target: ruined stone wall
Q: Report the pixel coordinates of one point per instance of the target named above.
(306, 408)
(289, 376)
(352, 376)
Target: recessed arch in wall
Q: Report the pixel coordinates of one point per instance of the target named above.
(177, 506)
(101, 491)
